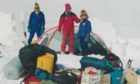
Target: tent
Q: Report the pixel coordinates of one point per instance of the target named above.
(52, 38)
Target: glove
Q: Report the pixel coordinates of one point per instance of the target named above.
(59, 30)
(42, 29)
(29, 28)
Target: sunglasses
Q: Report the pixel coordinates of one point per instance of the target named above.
(82, 15)
(36, 7)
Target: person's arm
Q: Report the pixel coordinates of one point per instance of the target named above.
(43, 19)
(42, 22)
(30, 22)
(30, 19)
(60, 23)
(75, 18)
(89, 27)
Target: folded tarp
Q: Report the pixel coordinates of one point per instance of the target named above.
(69, 61)
(13, 69)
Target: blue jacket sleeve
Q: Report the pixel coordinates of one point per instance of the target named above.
(30, 19)
(43, 19)
(89, 27)
(88, 31)
(80, 25)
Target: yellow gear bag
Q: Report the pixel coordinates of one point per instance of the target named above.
(46, 62)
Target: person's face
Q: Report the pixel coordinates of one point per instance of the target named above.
(36, 8)
(68, 10)
(82, 17)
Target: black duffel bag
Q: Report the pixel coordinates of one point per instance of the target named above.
(28, 56)
(65, 78)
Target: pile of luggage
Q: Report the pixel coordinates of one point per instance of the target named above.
(39, 63)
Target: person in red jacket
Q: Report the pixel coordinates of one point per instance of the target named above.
(66, 25)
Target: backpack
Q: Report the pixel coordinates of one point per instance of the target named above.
(28, 56)
(114, 60)
(65, 78)
(116, 76)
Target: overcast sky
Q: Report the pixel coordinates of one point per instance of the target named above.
(123, 14)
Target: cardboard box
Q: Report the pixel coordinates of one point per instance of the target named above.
(132, 77)
(90, 78)
(106, 79)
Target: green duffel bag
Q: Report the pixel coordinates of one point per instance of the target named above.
(47, 82)
(97, 63)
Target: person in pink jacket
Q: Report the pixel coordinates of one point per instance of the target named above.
(66, 25)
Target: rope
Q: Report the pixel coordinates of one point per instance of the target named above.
(45, 33)
(51, 38)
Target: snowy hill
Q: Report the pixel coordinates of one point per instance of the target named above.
(124, 15)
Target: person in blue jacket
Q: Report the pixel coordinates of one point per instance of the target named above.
(36, 23)
(84, 31)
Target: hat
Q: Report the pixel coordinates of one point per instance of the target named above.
(83, 13)
(67, 6)
(36, 6)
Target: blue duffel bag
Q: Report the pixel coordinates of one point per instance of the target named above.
(97, 63)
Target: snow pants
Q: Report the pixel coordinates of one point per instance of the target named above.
(84, 44)
(67, 36)
(32, 33)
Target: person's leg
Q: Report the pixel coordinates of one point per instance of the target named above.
(71, 42)
(38, 32)
(31, 37)
(84, 45)
(64, 40)
(86, 48)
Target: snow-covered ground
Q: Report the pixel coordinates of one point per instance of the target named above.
(117, 22)
(12, 38)
(13, 27)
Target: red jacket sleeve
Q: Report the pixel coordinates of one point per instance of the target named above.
(60, 23)
(75, 18)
